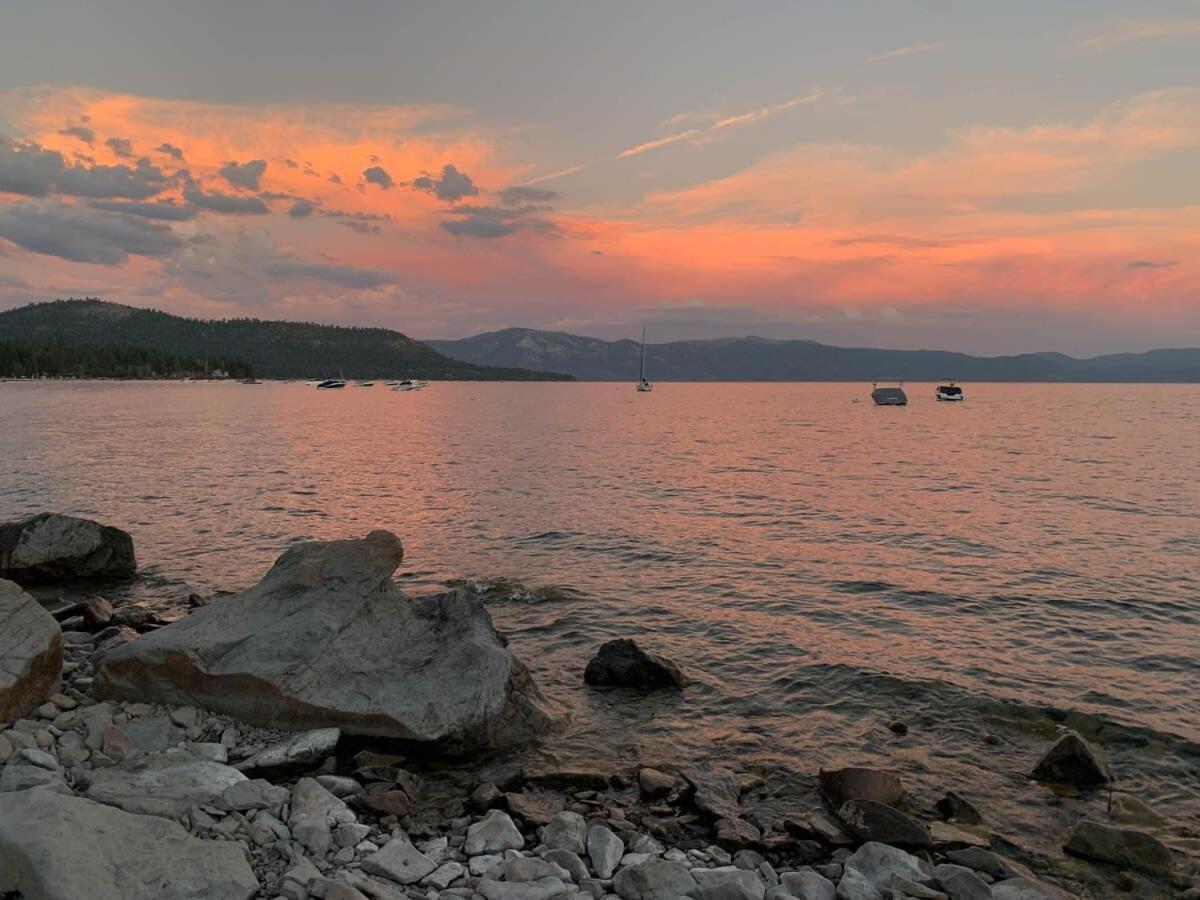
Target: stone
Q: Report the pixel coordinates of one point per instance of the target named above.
(622, 663)
(871, 821)
(338, 890)
(339, 785)
(961, 883)
(31, 653)
(486, 796)
(6, 748)
(313, 813)
(444, 875)
(154, 734)
(400, 861)
(1028, 889)
(570, 862)
(96, 613)
(566, 831)
(945, 836)
(655, 783)
(954, 808)
(829, 830)
(546, 889)
(58, 847)
(658, 879)
(737, 832)
(494, 833)
(604, 850)
(213, 752)
(350, 834)
(245, 795)
(52, 548)
(1072, 761)
(728, 883)
(31, 768)
(531, 868)
(299, 753)
(991, 864)
(1122, 847)
(859, 783)
(381, 799)
(875, 865)
(535, 808)
(807, 884)
(717, 792)
(116, 744)
(486, 865)
(164, 784)
(1129, 810)
(328, 639)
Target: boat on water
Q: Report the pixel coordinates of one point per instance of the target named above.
(364, 384)
(330, 384)
(251, 381)
(889, 394)
(643, 385)
(408, 384)
(949, 391)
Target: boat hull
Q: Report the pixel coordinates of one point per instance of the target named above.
(889, 397)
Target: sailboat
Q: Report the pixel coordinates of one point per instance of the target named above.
(643, 385)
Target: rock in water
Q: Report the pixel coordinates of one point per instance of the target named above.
(30, 653)
(50, 547)
(1123, 847)
(327, 639)
(1072, 761)
(57, 847)
(622, 663)
(858, 783)
(871, 821)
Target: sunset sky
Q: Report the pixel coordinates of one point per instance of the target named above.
(988, 177)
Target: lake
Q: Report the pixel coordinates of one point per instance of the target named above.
(822, 567)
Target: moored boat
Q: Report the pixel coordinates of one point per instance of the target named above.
(949, 391)
(330, 384)
(889, 395)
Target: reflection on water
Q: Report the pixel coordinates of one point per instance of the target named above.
(823, 566)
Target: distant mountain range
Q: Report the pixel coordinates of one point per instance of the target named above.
(759, 359)
(270, 349)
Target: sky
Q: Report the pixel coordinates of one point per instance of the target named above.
(991, 177)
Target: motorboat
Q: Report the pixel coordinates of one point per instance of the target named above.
(364, 384)
(251, 381)
(889, 394)
(949, 391)
(409, 385)
(643, 385)
(330, 384)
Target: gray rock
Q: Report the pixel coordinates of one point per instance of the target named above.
(961, 883)
(717, 792)
(954, 808)
(50, 547)
(547, 889)
(604, 850)
(257, 794)
(57, 847)
(154, 734)
(31, 768)
(859, 783)
(570, 862)
(991, 864)
(211, 752)
(728, 883)
(299, 753)
(494, 833)
(531, 868)
(566, 831)
(30, 653)
(487, 865)
(328, 639)
(807, 884)
(164, 784)
(444, 875)
(655, 783)
(350, 834)
(658, 879)
(1072, 761)
(1123, 847)
(874, 865)
(339, 785)
(1028, 889)
(871, 821)
(400, 861)
(622, 663)
(1129, 810)
(314, 813)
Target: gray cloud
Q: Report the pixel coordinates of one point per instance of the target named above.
(360, 227)
(171, 150)
(301, 209)
(122, 147)
(82, 132)
(80, 234)
(452, 185)
(343, 276)
(244, 175)
(520, 194)
(290, 163)
(223, 203)
(1153, 264)
(161, 210)
(498, 221)
(32, 171)
(378, 175)
(27, 169)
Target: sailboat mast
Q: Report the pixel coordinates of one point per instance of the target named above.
(642, 367)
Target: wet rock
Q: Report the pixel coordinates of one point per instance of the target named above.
(328, 639)
(96, 613)
(873, 866)
(604, 850)
(858, 783)
(807, 884)
(299, 753)
(31, 653)
(400, 861)
(658, 879)
(494, 833)
(1028, 889)
(51, 547)
(954, 808)
(737, 832)
(871, 821)
(164, 784)
(622, 663)
(1129, 810)
(1123, 847)
(728, 883)
(1072, 761)
(383, 799)
(717, 792)
(829, 830)
(946, 836)
(60, 847)
(566, 831)
(986, 861)
(655, 783)
(961, 883)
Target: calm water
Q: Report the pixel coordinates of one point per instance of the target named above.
(822, 566)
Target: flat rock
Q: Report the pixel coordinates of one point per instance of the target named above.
(154, 734)
(494, 833)
(717, 792)
(728, 883)
(808, 884)
(400, 861)
(1072, 761)
(50, 547)
(1129, 810)
(31, 653)
(991, 864)
(58, 847)
(1123, 847)
(1028, 889)
(298, 753)
(546, 889)
(658, 879)
(875, 865)
(327, 639)
(871, 821)
(622, 663)
(961, 883)
(860, 783)
(242, 796)
(164, 784)
(536, 808)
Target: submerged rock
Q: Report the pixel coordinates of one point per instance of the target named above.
(57, 847)
(1072, 761)
(622, 663)
(31, 653)
(860, 783)
(327, 639)
(50, 547)
(1123, 847)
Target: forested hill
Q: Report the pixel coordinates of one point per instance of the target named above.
(271, 349)
(54, 359)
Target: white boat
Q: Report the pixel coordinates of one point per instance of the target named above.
(643, 385)
(330, 384)
(889, 395)
(409, 385)
(949, 391)
(364, 384)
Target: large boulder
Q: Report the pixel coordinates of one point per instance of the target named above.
(1072, 761)
(1123, 847)
(871, 821)
(30, 653)
(622, 663)
(327, 639)
(50, 547)
(61, 847)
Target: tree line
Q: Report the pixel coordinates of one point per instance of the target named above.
(56, 359)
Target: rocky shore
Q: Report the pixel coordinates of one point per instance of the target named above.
(324, 735)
